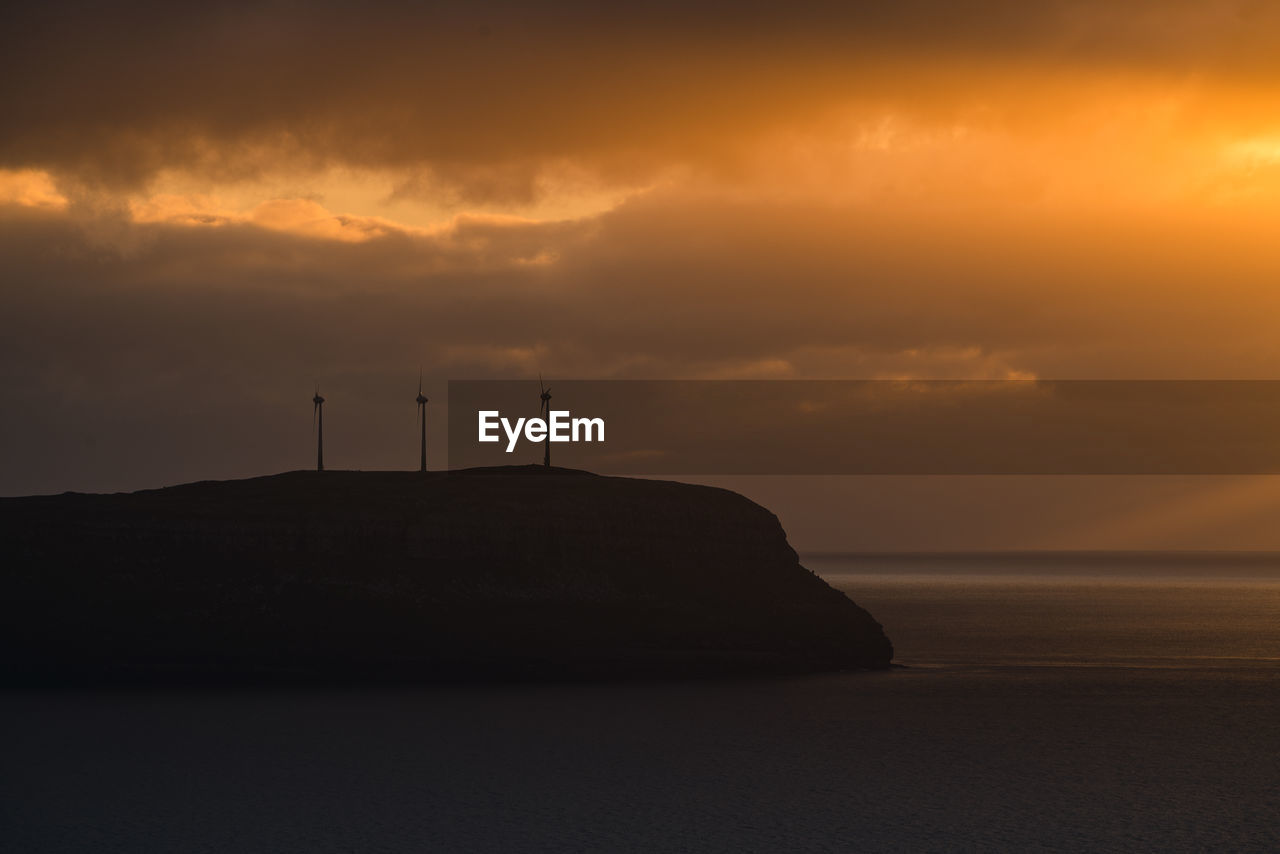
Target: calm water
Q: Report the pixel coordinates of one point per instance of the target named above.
(1069, 708)
(1091, 613)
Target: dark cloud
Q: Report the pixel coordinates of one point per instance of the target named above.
(138, 354)
(479, 96)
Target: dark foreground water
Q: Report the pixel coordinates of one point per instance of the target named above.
(1069, 708)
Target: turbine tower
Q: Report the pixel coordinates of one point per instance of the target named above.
(422, 416)
(317, 424)
(545, 412)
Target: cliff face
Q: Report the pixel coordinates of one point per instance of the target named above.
(514, 571)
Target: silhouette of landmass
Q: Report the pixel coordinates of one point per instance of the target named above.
(513, 572)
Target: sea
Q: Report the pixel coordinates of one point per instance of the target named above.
(1064, 702)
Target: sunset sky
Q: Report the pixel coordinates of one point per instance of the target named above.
(205, 210)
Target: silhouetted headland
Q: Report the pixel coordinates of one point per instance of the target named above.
(513, 572)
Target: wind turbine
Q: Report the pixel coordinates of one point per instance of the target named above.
(422, 415)
(317, 424)
(545, 412)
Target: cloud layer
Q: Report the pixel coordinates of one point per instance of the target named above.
(475, 99)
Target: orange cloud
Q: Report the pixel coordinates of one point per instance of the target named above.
(31, 188)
